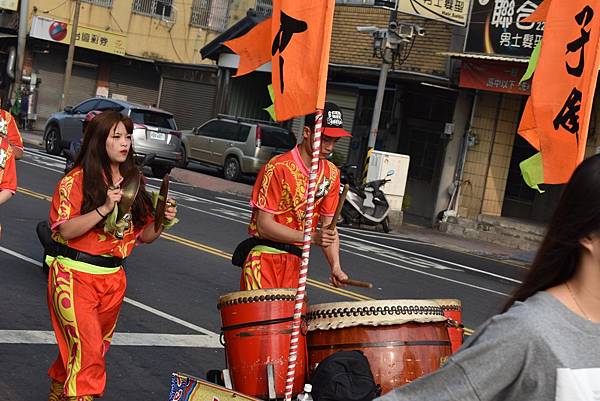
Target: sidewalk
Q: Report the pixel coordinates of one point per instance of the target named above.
(35, 138)
(429, 235)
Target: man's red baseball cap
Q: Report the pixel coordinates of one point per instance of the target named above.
(333, 122)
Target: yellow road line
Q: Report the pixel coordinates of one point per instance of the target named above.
(226, 255)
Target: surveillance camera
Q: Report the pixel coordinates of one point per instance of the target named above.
(393, 26)
(366, 29)
(420, 30)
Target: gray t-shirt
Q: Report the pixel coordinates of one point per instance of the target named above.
(513, 356)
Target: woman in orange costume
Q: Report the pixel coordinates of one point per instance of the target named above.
(86, 284)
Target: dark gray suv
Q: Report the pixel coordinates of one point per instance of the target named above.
(155, 130)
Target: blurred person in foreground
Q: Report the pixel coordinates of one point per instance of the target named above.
(546, 343)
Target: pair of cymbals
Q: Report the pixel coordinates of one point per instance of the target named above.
(130, 188)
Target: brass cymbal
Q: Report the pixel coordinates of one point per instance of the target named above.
(130, 188)
(161, 204)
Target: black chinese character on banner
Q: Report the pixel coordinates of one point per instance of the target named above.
(583, 19)
(288, 27)
(568, 117)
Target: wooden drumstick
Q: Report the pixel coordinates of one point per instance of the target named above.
(357, 283)
(338, 211)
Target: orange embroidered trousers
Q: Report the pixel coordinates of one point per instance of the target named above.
(270, 270)
(84, 308)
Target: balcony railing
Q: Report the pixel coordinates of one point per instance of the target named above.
(163, 9)
(210, 14)
(103, 3)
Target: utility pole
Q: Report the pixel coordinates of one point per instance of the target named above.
(21, 43)
(69, 67)
(383, 73)
(388, 44)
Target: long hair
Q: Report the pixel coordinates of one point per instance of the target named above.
(97, 175)
(576, 217)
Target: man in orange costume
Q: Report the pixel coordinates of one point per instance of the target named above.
(271, 257)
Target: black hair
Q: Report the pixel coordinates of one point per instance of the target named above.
(309, 121)
(576, 217)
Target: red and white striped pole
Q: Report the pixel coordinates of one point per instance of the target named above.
(310, 204)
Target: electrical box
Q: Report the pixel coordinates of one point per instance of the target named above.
(379, 165)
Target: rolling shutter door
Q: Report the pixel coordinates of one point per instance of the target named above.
(138, 81)
(190, 102)
(346, 100)
(51, 70)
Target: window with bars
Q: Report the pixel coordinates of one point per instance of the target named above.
(210, 14)
(103, 3)
(155, 8)
(264, 7)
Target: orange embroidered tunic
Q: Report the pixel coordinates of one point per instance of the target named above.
(66, 204)
(8, 167)
(282, 189)
(14, 136)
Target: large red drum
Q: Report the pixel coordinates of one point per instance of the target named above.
(257, 327)
(453, 311)
(402, 339)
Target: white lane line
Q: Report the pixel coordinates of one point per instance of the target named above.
(434, 259)
(41, 166)
(245, 222)
(119, 339)
(20, 256)
(170, 317)
(389, 237)
(427, 274)
(130, 301)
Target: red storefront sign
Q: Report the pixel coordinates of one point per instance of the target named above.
(494, 76)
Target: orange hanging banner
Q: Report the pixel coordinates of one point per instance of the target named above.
(556, 118)
(301, 37)
(254, 47)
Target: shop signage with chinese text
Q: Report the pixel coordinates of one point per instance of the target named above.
(455, 12)
(89, 38)
(494, 76)
(496, 27)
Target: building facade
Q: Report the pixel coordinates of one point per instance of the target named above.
(145, 51)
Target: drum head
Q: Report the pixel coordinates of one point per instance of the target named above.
(159, 212)
(337, 315)
(269, 294)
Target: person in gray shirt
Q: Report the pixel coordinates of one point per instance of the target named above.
(546, 344)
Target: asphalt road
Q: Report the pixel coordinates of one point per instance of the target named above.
(169, 321)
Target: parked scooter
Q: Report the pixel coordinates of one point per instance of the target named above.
(365, 204)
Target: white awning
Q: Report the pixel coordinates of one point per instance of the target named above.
(482, 56)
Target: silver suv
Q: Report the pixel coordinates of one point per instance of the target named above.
(238, 146)
(154, 130)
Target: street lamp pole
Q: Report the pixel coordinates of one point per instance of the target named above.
(69, 68)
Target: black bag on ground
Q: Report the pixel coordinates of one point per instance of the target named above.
(344, 376)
